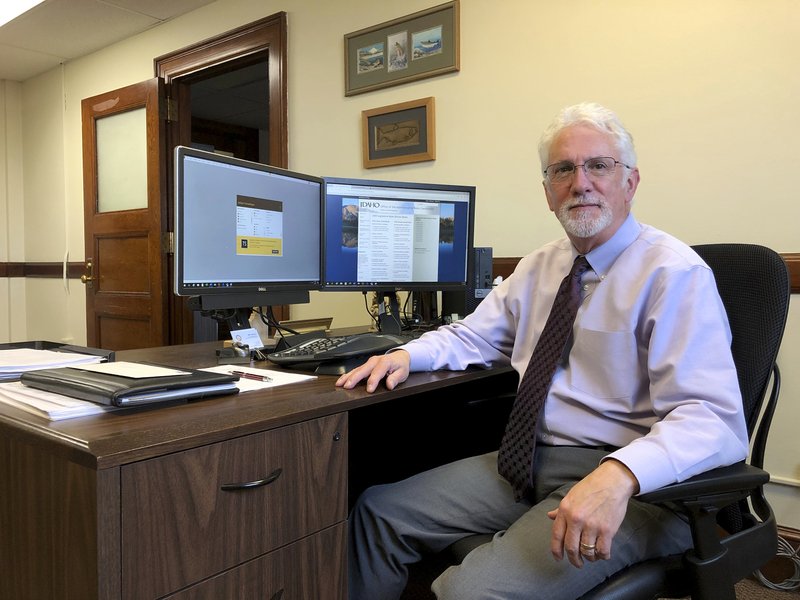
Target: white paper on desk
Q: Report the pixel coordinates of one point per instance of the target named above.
(14, 361)
(47, 404)
(131, 369)
(247, 385)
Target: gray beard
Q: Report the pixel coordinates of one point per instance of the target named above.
(584, 226)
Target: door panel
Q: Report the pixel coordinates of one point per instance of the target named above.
(121, 271)
(126, 302)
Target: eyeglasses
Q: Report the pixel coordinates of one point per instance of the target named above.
(594, 168)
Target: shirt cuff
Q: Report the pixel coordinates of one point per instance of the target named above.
(648, 463)
(421, 360)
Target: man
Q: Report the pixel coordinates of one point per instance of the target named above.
(645, 394)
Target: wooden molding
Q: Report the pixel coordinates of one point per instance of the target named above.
(505, 266)
(49, 270)
(790, 535)
(793, 262)
(780, 568)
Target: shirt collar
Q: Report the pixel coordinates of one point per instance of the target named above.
(602, 257)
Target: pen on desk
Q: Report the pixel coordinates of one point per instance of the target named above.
(253, 376)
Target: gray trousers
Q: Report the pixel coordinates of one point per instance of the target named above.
(394, 525)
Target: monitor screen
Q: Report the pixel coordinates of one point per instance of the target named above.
(386, 235)
(246, 234)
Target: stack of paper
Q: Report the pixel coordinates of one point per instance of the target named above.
(15, 361)
(55, 407)
(47, 404)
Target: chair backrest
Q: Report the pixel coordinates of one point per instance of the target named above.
(753, 282)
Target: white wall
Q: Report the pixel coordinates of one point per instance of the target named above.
(12, 220)
(709, 90)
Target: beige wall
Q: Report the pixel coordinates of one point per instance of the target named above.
(709, 89)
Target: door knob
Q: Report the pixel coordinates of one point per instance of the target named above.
(87, 278)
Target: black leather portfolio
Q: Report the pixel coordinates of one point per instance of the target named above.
(117, 390)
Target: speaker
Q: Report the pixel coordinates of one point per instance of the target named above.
(479, 286)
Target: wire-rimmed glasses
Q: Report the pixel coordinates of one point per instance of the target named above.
(595, 168)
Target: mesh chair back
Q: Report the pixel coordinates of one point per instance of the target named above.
(753, 282)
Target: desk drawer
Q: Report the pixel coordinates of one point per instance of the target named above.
(192, 514)
(313, 568)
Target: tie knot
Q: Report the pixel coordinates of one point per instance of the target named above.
(579, 267)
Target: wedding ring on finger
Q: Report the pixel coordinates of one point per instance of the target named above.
(587, 549)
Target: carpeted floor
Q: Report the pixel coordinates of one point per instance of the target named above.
(747, 589)
(753, 590)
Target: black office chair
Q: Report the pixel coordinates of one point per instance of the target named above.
(732, 536)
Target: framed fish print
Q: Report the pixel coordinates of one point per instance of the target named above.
(399, 134)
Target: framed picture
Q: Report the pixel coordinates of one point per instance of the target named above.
(399, 134)
(424, 44)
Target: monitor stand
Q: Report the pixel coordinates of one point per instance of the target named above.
(389, 322)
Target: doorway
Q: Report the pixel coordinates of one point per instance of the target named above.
(229, 115)
(228, 95)
(230, 111)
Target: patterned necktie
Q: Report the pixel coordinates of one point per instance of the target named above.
(515, 458)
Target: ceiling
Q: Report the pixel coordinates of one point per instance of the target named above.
(57, 31)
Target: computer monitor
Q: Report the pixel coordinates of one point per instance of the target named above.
(246, 234)
(386, 236)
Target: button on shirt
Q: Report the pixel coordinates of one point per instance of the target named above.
(649, 369)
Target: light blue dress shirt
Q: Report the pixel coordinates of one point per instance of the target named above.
(649, 369)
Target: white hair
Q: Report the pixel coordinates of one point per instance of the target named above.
(594, 115)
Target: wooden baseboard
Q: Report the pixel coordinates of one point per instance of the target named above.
(781, 568)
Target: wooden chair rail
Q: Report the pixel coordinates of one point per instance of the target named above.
(501, 266)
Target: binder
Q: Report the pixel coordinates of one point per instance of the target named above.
(116, 390)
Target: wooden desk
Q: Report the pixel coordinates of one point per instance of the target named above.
(129, 504)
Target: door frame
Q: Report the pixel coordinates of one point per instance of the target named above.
(266, 36)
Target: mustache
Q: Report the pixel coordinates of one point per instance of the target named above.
(586, 201)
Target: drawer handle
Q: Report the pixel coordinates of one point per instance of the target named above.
(278, 595)
(232, 487)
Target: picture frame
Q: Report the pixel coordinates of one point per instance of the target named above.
(399, 133)
(423, 44)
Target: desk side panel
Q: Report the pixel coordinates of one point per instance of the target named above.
(52, 544)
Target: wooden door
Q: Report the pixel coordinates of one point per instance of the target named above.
(124, 216)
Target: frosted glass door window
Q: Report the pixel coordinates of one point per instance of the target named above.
(122, 161)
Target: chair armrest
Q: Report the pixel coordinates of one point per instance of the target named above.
(737, 478)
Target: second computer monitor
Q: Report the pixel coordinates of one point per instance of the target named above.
(386, 235)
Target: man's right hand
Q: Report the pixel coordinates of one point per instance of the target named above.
(393, 366)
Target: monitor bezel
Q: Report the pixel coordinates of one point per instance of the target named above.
(258, 292)
(400, 286)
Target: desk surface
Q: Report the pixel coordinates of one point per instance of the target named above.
(121, 437)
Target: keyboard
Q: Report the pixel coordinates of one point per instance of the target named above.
(338, 348)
